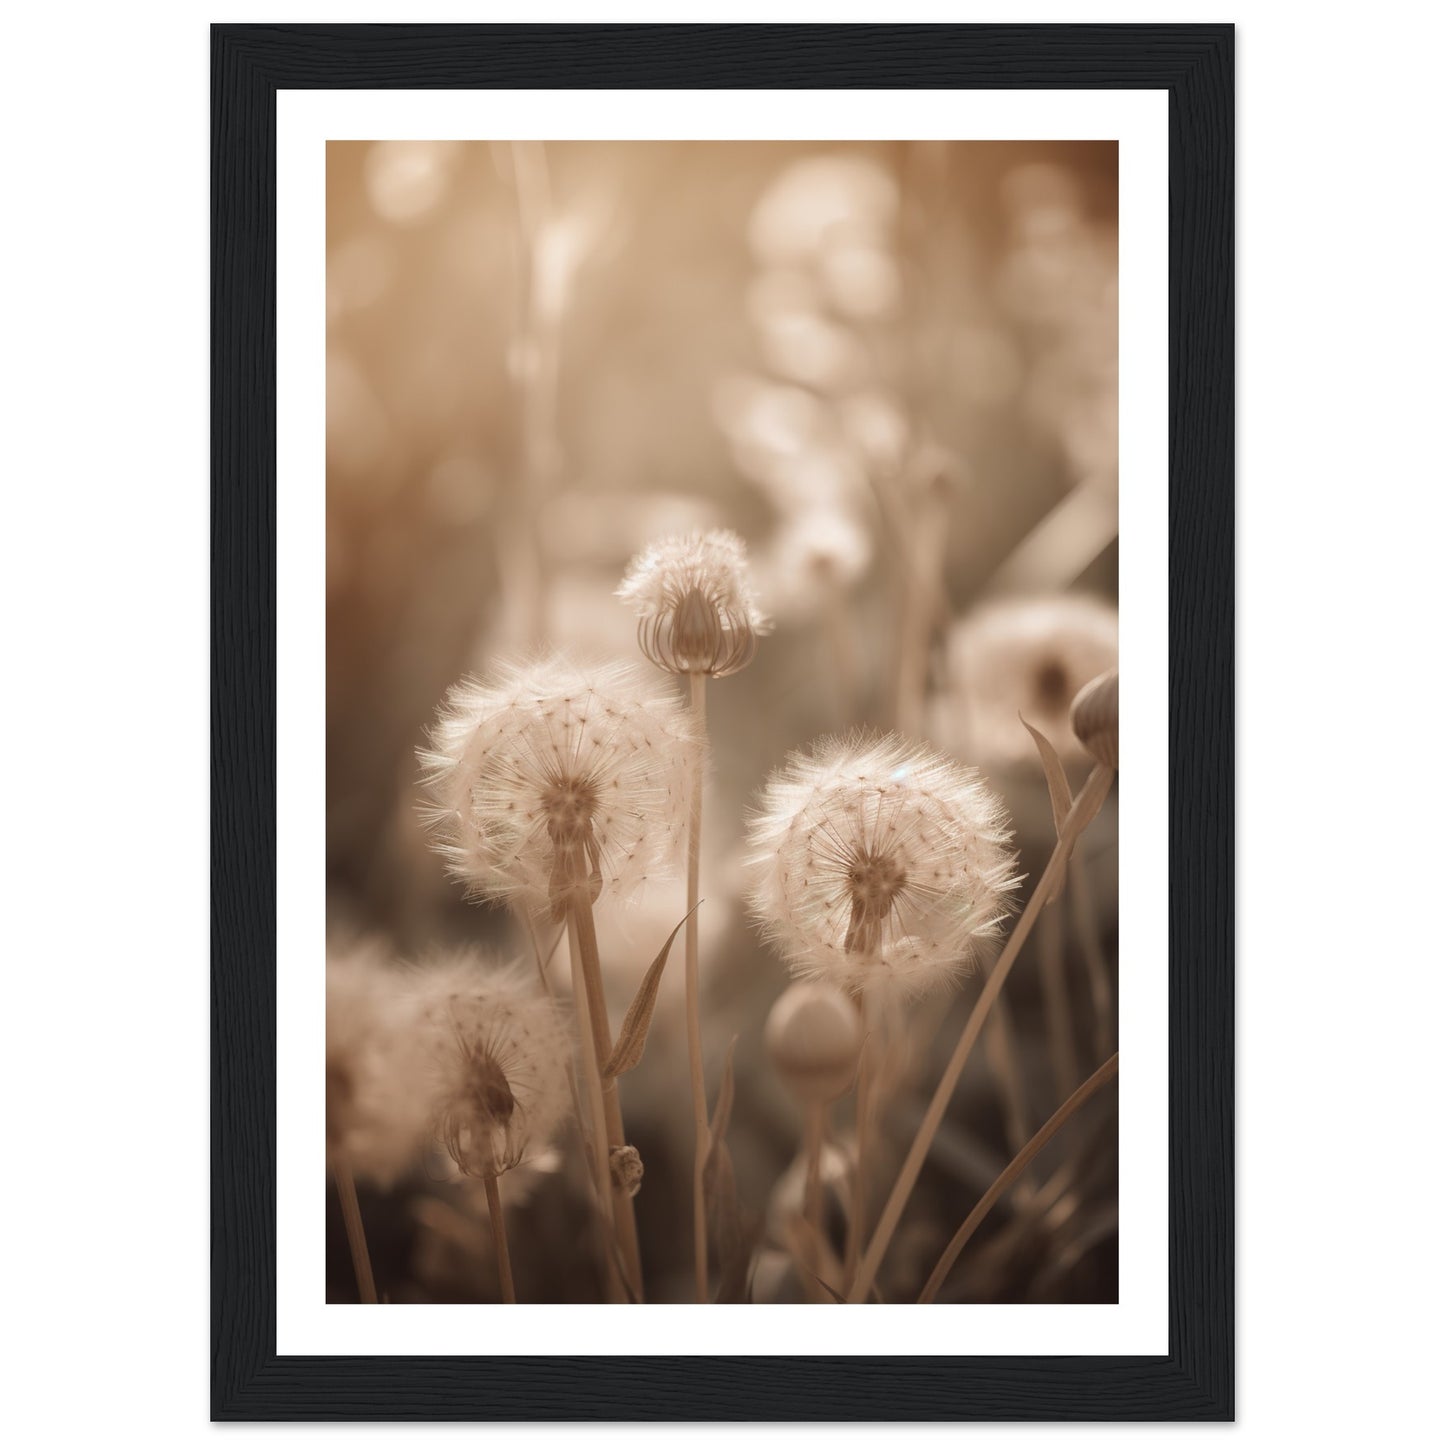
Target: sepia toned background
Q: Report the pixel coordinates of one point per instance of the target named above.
(892, 369)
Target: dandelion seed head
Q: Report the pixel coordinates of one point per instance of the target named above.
(879, 866)
(496, 1053)
(695, 604)
(1026, 656)
(553, 776)
(375, 1115)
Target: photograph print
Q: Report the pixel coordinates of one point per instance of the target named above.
(722, 723)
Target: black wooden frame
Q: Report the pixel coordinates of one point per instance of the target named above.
(1195, 1380)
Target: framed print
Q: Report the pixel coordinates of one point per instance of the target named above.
(700, 513)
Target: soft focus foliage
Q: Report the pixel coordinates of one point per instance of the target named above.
(1026, 656)
(375, 1098)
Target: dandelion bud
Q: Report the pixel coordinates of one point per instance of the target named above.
(814, 1035)
(626, 1165)
(1095, 718)
(878, 865)
(695, 604)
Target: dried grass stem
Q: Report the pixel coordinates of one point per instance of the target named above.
(1076, 1101)
(1086, 928)
(355, 1232)
(1003, 1060)
(1058, 1011)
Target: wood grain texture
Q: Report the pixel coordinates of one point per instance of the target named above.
(1195, 1380)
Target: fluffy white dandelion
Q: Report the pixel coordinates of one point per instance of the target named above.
(696, 608)
(1029, 656)
(879, 865)
(554, 776)
(496, 1052)
(375, 1107)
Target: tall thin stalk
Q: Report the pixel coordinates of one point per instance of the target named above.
(1086, 929)
(355, 1232)
(813, 1192)
(1086, 806)
(591, 1123)
(862, 1118)
(599, 1155)
(928, 244)
(499, 1241)
(925, 540)
(583, 934)
(1000, 1186)
(544, 962)
(701, 1130)
(536, 360)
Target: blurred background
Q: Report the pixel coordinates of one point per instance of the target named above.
(892, 368)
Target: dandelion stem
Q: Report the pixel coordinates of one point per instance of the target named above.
(697, 682)
(355, 1232)
(584, 936)
(813, 1194)
(925, 533)
(520, 558)
(599, 1154)
(1081, 1096)
(543, 965)
(499, 1240)
(542, 960)
(1086, 806)
(862, 1118)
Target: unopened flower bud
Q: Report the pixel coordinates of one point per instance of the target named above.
(814, 1035)
(1095, 717)
(626, 1165)
(695, 604)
